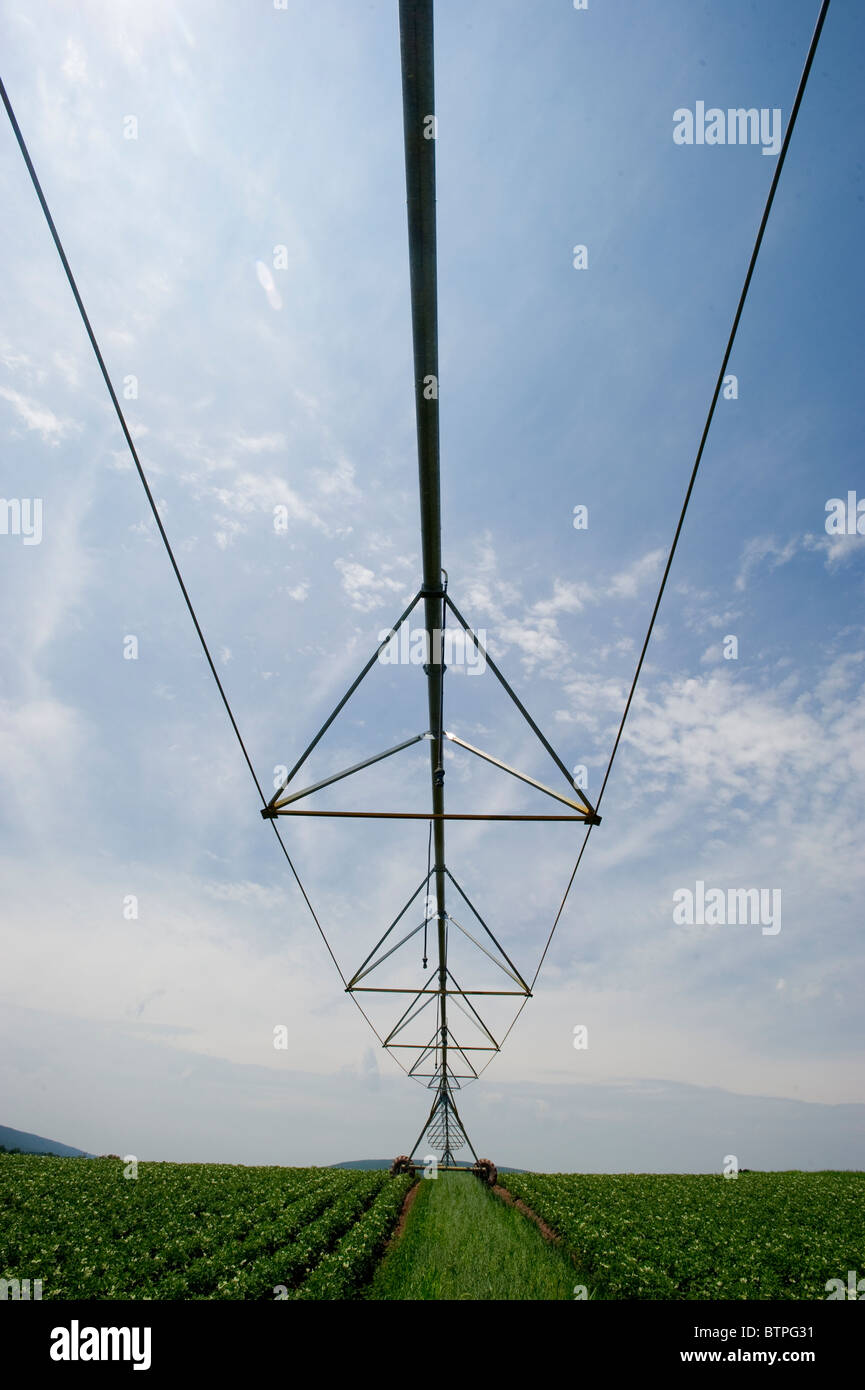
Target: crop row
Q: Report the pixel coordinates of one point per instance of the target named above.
(342, 1273)
(758, 1236)
(176, 1231)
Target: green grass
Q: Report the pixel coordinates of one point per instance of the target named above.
(461, 1242)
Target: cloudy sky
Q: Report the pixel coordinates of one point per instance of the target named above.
(229, 184)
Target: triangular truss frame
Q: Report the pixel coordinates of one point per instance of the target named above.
(284, 803)
(441, 1060)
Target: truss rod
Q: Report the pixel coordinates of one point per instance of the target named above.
(463, 993)
(347, 772)
(435, 816)
(489, 954)
(404, 1017)
(521, 707)
(505, 767)
(404, 1024)
(361, 970)
(344, 701)
(470, 905)
(419, 126)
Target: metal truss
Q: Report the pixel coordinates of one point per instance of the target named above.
(439, 1054)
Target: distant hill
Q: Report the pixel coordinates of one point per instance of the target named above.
(361, 1163)
(35, 1144)
(386, 1162)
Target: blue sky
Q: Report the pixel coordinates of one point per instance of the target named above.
(263, 386)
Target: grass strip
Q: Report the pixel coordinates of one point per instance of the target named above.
(461, 1243)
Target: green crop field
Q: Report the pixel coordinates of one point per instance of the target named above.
(190, 1230)
(758, 1236)
(214, 1231)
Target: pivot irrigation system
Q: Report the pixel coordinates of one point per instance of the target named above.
(437, 1057)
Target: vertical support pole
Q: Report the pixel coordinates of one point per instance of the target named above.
(418, 89)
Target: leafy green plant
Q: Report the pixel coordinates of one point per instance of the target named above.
(658, 1236)
(177, 1231)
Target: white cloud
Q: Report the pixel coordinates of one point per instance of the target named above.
(364, 589)
(67, 367)
(228, 530)
(538, 636)
(567, 598)
(245, 892)
(75, 61)
(590, 696)
(11, 358)
(339, 481)
(265, 279)
(38, 417)
(839, 550)
(722, 736)
(539, 642)
(259, 444)
(250, 492)
(761, 549)
(628, 582)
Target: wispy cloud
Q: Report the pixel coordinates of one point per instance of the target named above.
(268, 284)
(628, 582)
(52, 428)
(75, 61)
(364, 589)
(767, 550)
(568, 597)
(259, 444)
